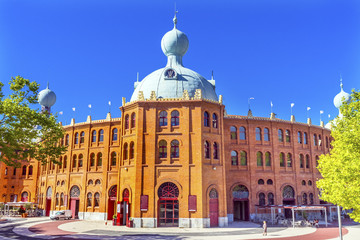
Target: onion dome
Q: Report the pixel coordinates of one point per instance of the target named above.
(47, 97)
(341, 97)
(172, 80)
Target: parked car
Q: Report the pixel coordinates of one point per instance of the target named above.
(62, 215)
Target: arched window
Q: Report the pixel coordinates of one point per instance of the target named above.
(163, 118)
(67, 140)
(101, 135)
(82, 137)
(310, 183)
(114, 134)
(304, 199)
(215, 151)
(317, 160)
(24, 197)
(288, 137)
(206, 119)
(270, 198)
(30, 170)
(93, 136)
(242, 133)
(99, 160)
(327, 142)
(261, 182)
(281, 135)
(234, 158)
(168, 190)
(258, 134)
(266, 135)
(311, 198)
(288, 192)
(65, 162)
(259, 159)
(62, 199)
(240, 192)
(24, 170)
(74, 161)
(127, 121)
(243, 158)
(133, 119)
(299, 137)
(90, 182)
(233, 132)
(175, 118)
(76, 138)
(262, 199)
(132, 150)
(320, 142)
(80, 162)
(89, 199)
(307, 161)
(113, 159)
(92, 159)
(125, 152)
(305, 138)
(6, 171)
(301, 157)
(269, 182)
(207, 149)
(282, 159)
(215, 121)
(213, 194)
(57, 199)
(162, 149)
(289, 160)
(268, 159)
(315, 140)
(303, 182)
(96, 199)
(174, 148)
(97, 182)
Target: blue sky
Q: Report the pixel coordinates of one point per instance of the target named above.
(284, 51)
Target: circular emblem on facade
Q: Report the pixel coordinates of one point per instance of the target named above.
(170, 74)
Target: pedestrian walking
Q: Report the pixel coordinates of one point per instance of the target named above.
(264, 229)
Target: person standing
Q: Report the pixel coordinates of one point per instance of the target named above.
(264, 228)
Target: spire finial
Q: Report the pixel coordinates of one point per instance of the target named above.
(341, 84)
(175, 18)
(212, 75)
(137, 77)
(47, 85)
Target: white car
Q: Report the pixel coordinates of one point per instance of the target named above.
(62, 215)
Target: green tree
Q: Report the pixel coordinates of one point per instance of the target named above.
(25, 131)
(340, 169)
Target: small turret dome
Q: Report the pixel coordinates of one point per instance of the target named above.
(47, 97)
(341, 97)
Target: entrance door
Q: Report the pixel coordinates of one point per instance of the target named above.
(74, 207)
(288, 212)
(241, 210)
(48, 206)
(214, 212)
(168, 213)
(111, 209)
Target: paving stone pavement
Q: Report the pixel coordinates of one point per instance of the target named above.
(43, 228)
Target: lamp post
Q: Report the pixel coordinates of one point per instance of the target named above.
(340, 225)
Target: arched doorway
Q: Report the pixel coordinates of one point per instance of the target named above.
(112, 202)
(241, 203)
(74, 201)
(125, 208)
(168, 205)
(288, 199)
(214, 208)
(24, 197)
(48, 201)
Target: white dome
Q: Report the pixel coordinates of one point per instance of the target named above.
(174, 78)
(328, 125)
(174, 88)
(341, 97)
(47, 97)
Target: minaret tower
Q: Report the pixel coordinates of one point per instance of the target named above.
(47, 99)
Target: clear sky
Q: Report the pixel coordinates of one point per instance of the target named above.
(284, 51)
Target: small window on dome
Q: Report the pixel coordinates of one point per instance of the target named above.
(170, 74)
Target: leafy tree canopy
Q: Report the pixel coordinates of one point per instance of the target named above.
(341, 168)
(26, 132)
